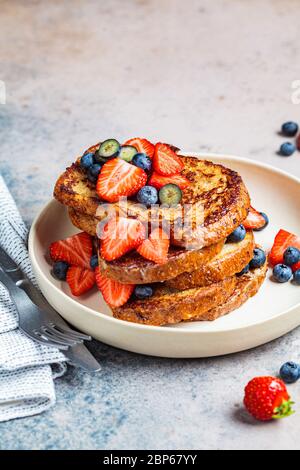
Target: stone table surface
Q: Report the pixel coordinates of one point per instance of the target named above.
(207, 76)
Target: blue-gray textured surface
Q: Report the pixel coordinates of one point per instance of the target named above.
(205, 75)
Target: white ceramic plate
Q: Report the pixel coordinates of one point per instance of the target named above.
(274, 311)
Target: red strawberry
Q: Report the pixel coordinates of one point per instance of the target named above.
(80, 280)
(156, 247)
(298, 142)
(296, 266)
(142, 145)
(266, 398)
(118, 178)
(114, 293)
(76, 250)
(120, 236)
(282, 241)
(165, 161)
(254, 220)
(158, 181)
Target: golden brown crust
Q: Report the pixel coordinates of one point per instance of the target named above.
(198, 304)
(231, 260)
(169, 306)
(217, 195)
(84, 222)
(247, 286)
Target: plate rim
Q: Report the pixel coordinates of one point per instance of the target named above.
(169, 330)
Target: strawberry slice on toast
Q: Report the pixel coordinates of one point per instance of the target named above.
(156, 247)
(142, 145)
(158, 181)
(119, 236)
(165, 161)
(282, 241)
(119, 178)
(114, 293)
(76, 250)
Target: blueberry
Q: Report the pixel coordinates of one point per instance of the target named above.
(287, 149)
(291, 256)
(148, 195)
(94, 261)
(296, 278)
(266, 220)
(143, 292)
(60, 269)
(244, 271)
(289, 129)
(290, 372)
(259, 258)
(282, 273)
(87, 160)
(93, 172)
(237, 235)
(142, 160)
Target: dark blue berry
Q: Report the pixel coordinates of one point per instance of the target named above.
(60, 269)
(282, 273)
(142, 160)
(266, 220)
(237, 235)
(143, 292)
(87, 160)
(290, 372)
(296, 278)
(148, 195)
(94, 262)
(259, 258)
(289, 129)
(93, 172)
(287, 149)
(244, 271)
(291, 256)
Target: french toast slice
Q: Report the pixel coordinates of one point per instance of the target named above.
(212, 206)
(231, 260)
(247, 286)
(169, 306)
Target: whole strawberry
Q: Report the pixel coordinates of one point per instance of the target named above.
(267, 398)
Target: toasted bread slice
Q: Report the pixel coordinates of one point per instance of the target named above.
(247, 286)
(231, 260)
(169, 306)
(214, 204)
(84, 222)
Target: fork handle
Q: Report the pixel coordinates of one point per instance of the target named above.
(16, 294)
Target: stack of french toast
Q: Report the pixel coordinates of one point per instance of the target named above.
(174, 233)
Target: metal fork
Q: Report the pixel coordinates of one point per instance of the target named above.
(34, 322)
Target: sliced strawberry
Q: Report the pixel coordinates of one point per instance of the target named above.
(114, 293)
(165, 161)
(296, 266)
(120, 236)
(80, 280)
(118, 178)
(158, 181)
(254, 220)
(282, 241)
(156, 247)
(142, 145)
(76, 250)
